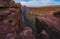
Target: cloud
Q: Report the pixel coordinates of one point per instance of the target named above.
(36, 3)
(32, 3)
(25, 0)
(17, 1)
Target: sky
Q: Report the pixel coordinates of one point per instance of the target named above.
(35, 3)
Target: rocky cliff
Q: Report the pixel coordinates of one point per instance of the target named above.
(11, 23)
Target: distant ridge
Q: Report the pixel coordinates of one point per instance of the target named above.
(45, 6)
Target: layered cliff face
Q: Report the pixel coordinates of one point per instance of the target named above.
(11, 23)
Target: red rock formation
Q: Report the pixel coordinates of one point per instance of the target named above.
(11, 24)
